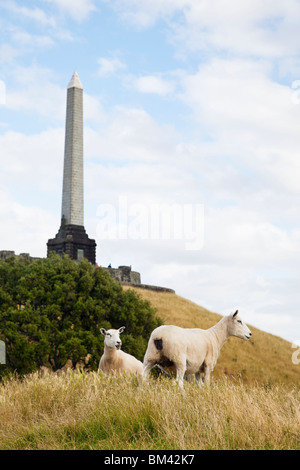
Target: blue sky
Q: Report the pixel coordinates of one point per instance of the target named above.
(188, 104)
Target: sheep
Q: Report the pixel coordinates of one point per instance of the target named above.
(188, 351)
(115, 360)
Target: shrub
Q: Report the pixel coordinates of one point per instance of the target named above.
(51, 311)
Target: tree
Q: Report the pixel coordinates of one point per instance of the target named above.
(51, 311)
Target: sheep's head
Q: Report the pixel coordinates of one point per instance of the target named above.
(112, 337)
(236, 327)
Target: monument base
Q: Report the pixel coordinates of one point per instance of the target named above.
(73, 241)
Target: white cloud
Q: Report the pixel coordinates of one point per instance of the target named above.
(8, 53)
(261, 29)
(109, 67)
(240, 237)
(131, 135)
(251, 119)
(250, 27)
(36, 14)
(79, 10)
(33, 161)
(145, 13)
(28, 40)
(22, 27)
(92, 109)
(2, 93)
(44, 99)
(27, 227)
(153, 84)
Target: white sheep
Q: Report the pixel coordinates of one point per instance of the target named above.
(115, 360)
(188, 351)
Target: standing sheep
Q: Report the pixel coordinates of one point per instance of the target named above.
(115, 360)
(187, 351)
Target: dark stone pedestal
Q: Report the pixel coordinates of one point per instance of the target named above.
(73, 240)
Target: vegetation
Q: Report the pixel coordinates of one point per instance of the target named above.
(51, 311)
(90, 411)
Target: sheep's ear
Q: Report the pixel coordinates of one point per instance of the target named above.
(103, 331)
(121, 329)
(235, 314)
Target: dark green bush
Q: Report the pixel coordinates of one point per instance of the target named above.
(51, 311)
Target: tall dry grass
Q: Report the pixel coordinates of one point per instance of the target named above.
(90, 411)
(252, 403)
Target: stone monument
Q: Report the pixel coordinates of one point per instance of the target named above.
(72, 238)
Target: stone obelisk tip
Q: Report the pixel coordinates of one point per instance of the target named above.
(75, 81)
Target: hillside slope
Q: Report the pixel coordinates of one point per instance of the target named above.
(265, 359)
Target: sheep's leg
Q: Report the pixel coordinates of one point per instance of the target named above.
(180, 371)
(147, 367)
(207, 375)
(188, 378)
(198, 378)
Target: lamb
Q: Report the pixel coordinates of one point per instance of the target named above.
(115, 360)
(188, 351)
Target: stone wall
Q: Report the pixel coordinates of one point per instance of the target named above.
(127, 277)
(4, 254)
(155, 288)
(124, 274)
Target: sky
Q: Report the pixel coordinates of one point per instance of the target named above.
(191, 143)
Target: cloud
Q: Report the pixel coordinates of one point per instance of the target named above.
(109, 67)
(154, 85)
(241, 237)
(130, 135)
(29, 40)
(144, 14)
(36, 14)
(26, 226)
(253, 28)
(8, 53)
(36, 94)
(250, 118)
(22, 27)
(32, 161)
(92, 109)
(79, 10)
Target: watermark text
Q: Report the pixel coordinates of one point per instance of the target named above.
(140, 221)
(296, 354)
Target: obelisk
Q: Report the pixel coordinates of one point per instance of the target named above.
(71, 238)
(72, 199)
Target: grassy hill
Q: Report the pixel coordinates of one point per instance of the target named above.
(253, 401)
(265, 359)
